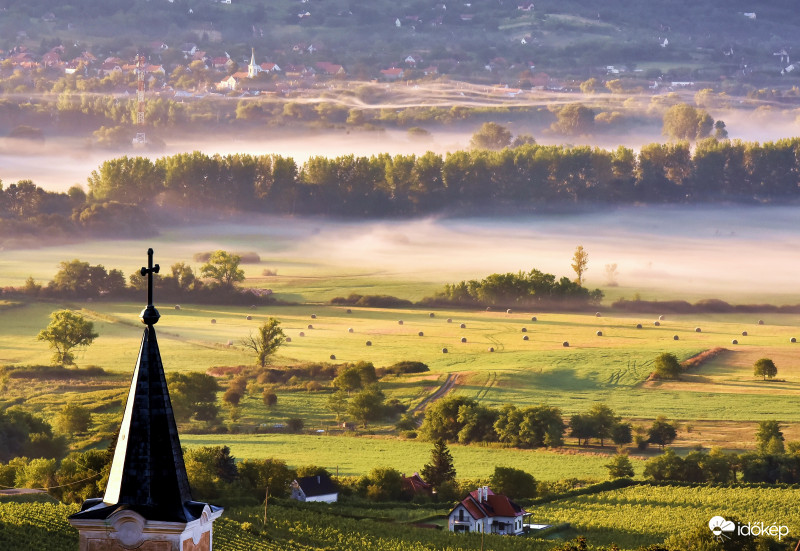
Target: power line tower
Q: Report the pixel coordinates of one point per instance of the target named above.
(140, 70)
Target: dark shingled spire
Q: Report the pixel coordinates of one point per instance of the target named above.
(147, 474)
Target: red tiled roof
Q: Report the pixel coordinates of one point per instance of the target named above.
(495, 505)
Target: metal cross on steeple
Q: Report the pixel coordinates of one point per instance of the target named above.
(149, 315)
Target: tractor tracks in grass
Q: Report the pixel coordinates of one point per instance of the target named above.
(491, 381)
(449, 384)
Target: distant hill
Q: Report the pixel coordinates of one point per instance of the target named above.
(480, 40)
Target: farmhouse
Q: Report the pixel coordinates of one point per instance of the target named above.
(315, 488)
(414, 485)
(484, 511)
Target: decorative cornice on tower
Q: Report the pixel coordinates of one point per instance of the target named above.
(148, 494)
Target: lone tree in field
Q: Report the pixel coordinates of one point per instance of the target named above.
(491, 136)
(224, 268)
(268, 339)
(440, 469)
(619, 466)
(580, 261)
(667, 366)
(67, 330)
(765, 367)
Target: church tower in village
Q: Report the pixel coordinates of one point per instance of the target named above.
(147, 505)
(253, 69)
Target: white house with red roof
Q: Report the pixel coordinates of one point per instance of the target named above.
(484, 511)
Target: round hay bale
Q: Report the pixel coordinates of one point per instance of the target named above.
(421, 334)
(597, 315)
(230, 342)
(444, 351)
(252, 306)
(349, 329)
(249, 318)
(793, 340)
(213, 321)
(599, 333)
(638, 326)
(333, 356)
(313, 316)
(657, 323)
(734, 341)
(491, 349)
(463, 339)
(288, 339)
(310, 326)
(399, 322)
(302, 334)
(525, 338)
(744, 333)
(368, 343)
(348, 311)
(449, 320)
(524, 329)
(177, 306)
(761, 322)
(488, 308)
(565, 344)
(431, 315)
(508, 311)
(533, 318)
(463, 326)
(661, 317)
(698, 330)
(675, 337)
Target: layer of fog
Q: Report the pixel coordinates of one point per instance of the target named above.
(735, 254)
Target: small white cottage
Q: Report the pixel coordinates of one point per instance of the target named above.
(315, 488)
(484, 511)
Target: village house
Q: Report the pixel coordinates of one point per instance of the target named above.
(414, 486)
(315, 488)
(484, 511)
(392, 73)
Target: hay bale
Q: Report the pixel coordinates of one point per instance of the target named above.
(488, 308)
(230, 342)
(565, 344)
(533, 318)
(463, 326)
(744, 333)
(368, 343)
(761, 322)
(288, 339)
(349, 329)
(348, 311)
(444, 351)
(734, 341)
(399, 322)
(463, 339)
(333, 356)
(638, 326)
(597, 315)
(431, 315)
(657, 323)
(313, 316)
(524, 329)
(491, 349)
(302, 334)
(793, 340)
(508, 311)
(213, 321)
(449, 320)
(675, 337)
(599, 333)
(249, 318)
(525, 338)
(661, 317)
(421, 334)
(252, 306)
(698, 330)
(310, 326)
(177, 306)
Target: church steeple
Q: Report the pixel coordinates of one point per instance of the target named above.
(148, 481)
(253, 69)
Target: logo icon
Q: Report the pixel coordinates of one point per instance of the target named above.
(718, 526)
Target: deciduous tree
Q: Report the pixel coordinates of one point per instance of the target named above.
(223, 267)
(765, 368)
(580, 263)
(67, 331)
(266, 341)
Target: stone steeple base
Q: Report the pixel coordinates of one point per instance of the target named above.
(127, 530)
